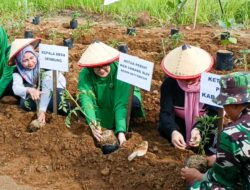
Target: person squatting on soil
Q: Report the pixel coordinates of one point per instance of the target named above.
(231, 167)
(179, 102)
(5, 70)
(103, 97)
(26, 79)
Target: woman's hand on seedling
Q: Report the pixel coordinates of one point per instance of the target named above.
(195, 137)
(191, 175)
(34, 93)
(178, 140)
(121, 138)
(41, 117)
(96, 131)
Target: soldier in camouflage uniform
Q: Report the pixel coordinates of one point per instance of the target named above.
(232, 164)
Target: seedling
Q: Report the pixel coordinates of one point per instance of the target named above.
(172, 41)
(53, 35)
(75, 15)
(206, 126)
(73, 22)
(66, 97)
(226, 36)
(114, 43)
(244, 53)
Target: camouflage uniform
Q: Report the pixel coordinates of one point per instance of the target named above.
(232, 166)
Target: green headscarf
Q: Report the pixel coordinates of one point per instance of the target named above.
(5, 70)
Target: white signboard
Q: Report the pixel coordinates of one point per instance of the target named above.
(53, 57)
(107, 2)
(210, 88)
(135, 71)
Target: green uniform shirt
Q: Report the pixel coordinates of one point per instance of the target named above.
(232, 166)
(5, 70)
(105, 99)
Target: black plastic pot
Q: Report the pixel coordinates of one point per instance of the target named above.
(173, 31)
(73, 24)
(224, 36)
(224, 60)
(123, 48)
(131, 31)
(107, 149)
(36, 20)
(28, 34)
(68, 42)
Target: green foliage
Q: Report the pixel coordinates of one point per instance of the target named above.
(27, 104)
(127, 20)
(173, 41)
(209, 11)
(66, 97)
(75, 15)
(229, 40)
(228, 24)
(114, 43)
(205, 124)
(53, 35)
(244, 53)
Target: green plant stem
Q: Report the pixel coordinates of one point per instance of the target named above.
(77, 105)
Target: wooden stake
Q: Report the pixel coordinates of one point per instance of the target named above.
(54, 92)
(221, 119)
(130, 100)
(196, 12)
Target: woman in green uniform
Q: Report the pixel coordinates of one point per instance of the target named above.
(103, 97)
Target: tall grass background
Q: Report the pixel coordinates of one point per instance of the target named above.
(14, 12)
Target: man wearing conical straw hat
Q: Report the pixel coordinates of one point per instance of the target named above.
(5, 70)
(109, 99)
(179, 101)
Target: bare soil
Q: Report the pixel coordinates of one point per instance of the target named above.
(56, 157)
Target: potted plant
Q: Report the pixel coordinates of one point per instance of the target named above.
(36, 20)
(74, 17)
(130, 22)
(225, 58)
(68, 42)
(122, 47)
(174, 31)
(206, 126)
(228, 25)
(28, 34)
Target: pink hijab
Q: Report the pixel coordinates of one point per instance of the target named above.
(192, 105)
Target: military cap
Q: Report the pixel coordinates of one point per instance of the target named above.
(235, 89)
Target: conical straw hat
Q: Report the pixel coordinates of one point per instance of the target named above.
(18, 44)
(98, 54)
(186, 62)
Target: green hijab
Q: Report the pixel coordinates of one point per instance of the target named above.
(5, 70)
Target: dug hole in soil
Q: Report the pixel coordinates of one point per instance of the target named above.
(56, 157)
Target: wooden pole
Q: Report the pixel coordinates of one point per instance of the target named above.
(54, 92)
(221, 119)
(130, 100)
(196, 12)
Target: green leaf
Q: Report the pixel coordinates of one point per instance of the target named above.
(244, 51)
(222, 24)
(232, 40)
(170, 4)
(67, 121)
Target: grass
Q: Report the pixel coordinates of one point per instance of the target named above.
(161, 10)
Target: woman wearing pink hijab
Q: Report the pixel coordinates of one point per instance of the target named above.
(179, 101)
